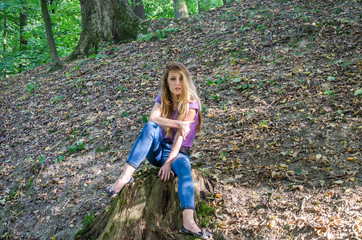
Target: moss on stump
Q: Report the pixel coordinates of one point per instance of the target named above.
(147, 209)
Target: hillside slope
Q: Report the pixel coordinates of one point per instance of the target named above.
(280, 84)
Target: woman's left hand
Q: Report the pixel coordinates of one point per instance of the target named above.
(165, 172)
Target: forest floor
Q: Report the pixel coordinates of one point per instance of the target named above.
(280, 84)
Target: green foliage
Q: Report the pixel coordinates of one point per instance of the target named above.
(13, 192)
(330, 93)
(97, 56)
(55, 100)
(99, 149)
(88, 219)
(358, 92)
(73, 149)
(158, 34)
(144, 119)
(86, 222)
(59, 159)
(31, 87)
(41, 159)
(29, 183)
(215, 96)
(263, 123)
(78, 147)
(66, 26)
(205, 213)
(219, 81)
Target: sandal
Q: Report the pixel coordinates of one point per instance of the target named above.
(111, 193)
(201, 235)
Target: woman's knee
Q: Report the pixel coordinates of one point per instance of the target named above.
(150, 126)
(181, 165)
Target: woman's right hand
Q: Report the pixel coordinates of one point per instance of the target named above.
(185, 128)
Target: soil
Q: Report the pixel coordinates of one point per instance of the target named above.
(280, 84)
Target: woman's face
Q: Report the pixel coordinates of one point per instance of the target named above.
(174, 82)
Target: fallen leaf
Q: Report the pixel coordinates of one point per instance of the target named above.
(352, 159)
(338, 182)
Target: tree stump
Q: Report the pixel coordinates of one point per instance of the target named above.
(146, 209)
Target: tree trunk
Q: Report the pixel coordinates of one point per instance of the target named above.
(56, 64)
(105, 21)
(4, 42)
(50, 5)
(138, 9)
(147, 209)
(180, 9)
(23, 23)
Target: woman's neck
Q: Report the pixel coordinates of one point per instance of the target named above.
(174, 101)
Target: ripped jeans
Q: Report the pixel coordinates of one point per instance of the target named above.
(151, 146)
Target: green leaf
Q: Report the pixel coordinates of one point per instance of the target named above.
(74, 149)
(236, 80)
(80, 145)
(358, 92)
(145, 119)
(41, 159)
(59, 159)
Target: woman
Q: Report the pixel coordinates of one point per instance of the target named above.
(166, 140)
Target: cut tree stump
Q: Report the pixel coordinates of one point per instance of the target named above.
(146, 209)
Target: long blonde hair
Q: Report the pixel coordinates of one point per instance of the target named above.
(189, 94)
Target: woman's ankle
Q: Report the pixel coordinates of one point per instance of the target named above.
(192, 227)
(189, 221)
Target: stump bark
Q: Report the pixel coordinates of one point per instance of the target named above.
(147, 209)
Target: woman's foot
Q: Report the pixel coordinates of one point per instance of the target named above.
(113, 190)
(192, 227)
(110, 193)
(202, 234)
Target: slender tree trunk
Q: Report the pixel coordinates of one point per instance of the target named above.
(180, 9)
(56, 64)
(23, 23)
(105, 21)
(4, 34)
(50, 4)
(4, 43)
(138, 8)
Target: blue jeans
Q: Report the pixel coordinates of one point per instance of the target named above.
(151, 146)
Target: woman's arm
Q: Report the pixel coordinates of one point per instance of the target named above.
(184, 125)
(165, 170)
